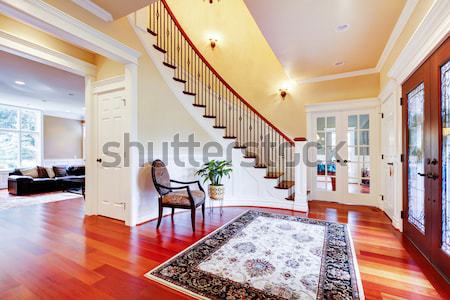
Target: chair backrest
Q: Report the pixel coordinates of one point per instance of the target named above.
(160, 175)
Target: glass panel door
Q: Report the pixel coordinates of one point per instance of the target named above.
(326, 144)
(445, 104)
(416, 161)
(358, 153)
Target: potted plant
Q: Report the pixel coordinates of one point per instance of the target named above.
(213, 172)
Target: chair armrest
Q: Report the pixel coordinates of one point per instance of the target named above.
(20, 178)
(189, 182)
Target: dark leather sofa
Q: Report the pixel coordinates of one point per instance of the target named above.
(19, 184)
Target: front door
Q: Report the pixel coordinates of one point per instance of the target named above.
(111, 112)
(426, 131)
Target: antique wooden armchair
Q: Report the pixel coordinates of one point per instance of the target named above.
(180, 196)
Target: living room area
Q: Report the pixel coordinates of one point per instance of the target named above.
(42, 133)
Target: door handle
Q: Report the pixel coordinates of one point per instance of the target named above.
(99, 160)
(421, 174)
(432, 176)
(390, 164)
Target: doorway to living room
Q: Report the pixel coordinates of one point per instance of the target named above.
(42, 133)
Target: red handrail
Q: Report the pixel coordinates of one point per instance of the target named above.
(174, 19)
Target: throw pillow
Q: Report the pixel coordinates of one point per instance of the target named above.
(42, 172)
(50, 172)
(60, 171)
(33, 172)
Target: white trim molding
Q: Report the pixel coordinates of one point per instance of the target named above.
(54, 21)
(338, 76)
(94, 9)
(29, 50)
(434, 29)
(398, 29)
(342, 105)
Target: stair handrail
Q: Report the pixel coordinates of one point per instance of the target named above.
(186, 37)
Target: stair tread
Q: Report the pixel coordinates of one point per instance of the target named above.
(179, 80)
(189, 93)
(209, 117)
(151, 32)
(240, 147)
(169, 65)
(274, 175)
(260, 166)
(159, 49)
(291, 197)
(249, 156)
(286, 184)
(199, 105)
(229, 137)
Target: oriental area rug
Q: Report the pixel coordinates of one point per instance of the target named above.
(261, 255)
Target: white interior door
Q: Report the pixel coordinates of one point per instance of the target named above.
(388, 149)
(345, 165)
(111, 115)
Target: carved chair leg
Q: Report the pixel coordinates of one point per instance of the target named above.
(203, 210)
(173, 212)
(160, 213)
(193, 218)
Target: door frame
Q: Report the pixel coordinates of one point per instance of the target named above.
(371, 104)
(49, 19)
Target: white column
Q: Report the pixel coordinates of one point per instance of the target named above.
(131, 84)
(301, 180)
(90, 205)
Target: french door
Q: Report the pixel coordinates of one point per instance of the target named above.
(344, 156)
(426, 133)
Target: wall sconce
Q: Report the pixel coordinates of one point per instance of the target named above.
(212, 42)
(283, 93)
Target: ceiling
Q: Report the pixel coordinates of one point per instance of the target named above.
(54, 91)
(303, 33)
(121, 8)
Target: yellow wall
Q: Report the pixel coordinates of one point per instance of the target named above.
(28, 33)
(416, 18)
(244, 58)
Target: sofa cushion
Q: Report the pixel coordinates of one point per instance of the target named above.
(60, 171)
(50, 172)
(32, 172)
(16, 172)
(42, 172)
(76, 170)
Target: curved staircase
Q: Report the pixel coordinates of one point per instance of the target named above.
(258, 138)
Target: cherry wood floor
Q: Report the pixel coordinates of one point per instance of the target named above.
(51, 251)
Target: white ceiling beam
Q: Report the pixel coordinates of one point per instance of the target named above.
(94, 9)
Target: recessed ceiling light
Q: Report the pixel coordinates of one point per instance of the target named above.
(19, 82)
(339, 63)
(342, 27)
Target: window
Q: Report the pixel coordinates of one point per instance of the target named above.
(20, 137)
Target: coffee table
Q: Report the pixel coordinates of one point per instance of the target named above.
(77, 181)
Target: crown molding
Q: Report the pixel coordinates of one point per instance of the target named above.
(20, 47)
(344, 105)
(54, 21)
(433, 29)
(338, 76)
(94, 9)
(398, 29)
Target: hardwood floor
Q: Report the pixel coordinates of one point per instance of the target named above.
(52, 251)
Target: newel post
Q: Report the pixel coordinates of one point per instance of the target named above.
(301, 181)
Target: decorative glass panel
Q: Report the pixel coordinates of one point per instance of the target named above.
(445, 104)
(416, 164)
